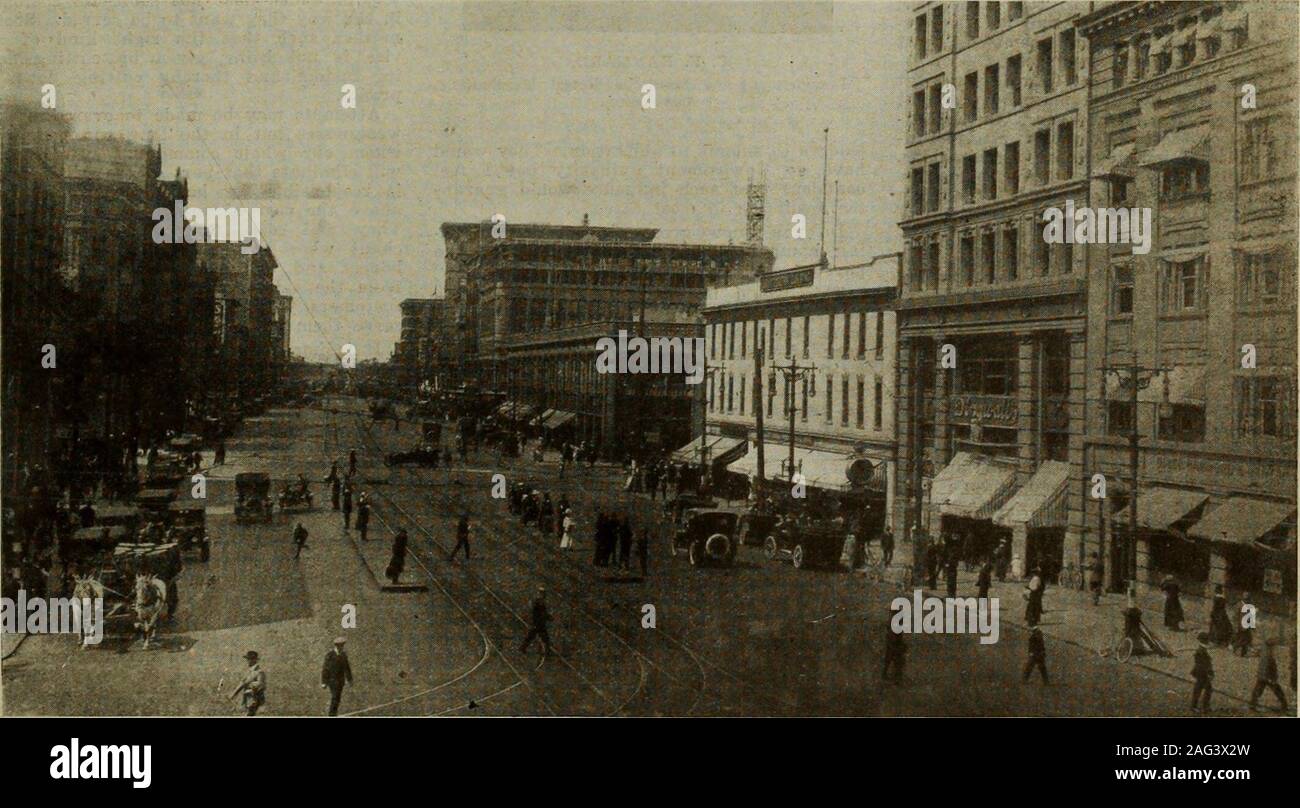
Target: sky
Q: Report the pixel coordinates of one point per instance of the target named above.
(465, 110)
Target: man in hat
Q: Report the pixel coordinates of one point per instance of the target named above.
(1202, 675)
(1037, 654)
(347, 506)
(895, 652)
(1266, 677)
(363, 515)
(537, 627)
(299, 540)
(462, 537)
(335, 673)
(253, 686)
(1096, 574)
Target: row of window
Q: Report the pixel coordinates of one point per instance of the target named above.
(728, 396)
(1174, 46)
(981, 179)
(743, 334)
(988, 255)
(928, 36)
(1262, 279)
(1263, 407)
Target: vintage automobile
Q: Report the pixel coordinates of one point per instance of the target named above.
(806, 542)
(252, 497)
(755, 527)
(426, 456)
(293, 495)
(676, 506)
(186, 444)
(126, 517)
(707, 536)
(154, 502)
(188, 521)
(167, 470)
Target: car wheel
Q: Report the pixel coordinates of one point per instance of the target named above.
(697, 554)
(770, 548)
(797, 557)
(717, 546)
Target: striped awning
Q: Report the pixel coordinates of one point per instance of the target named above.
(1159, 508)
(558, 418)
(972, 486)
(1039, 502)
(690, 453)
(1242, 520)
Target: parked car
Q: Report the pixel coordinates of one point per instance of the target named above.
(253, 497)
(676, 506)
(189, 523)
(424, 456)
(806, 543)
(706, 536)
(755, 527)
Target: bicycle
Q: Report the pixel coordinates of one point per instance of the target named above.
(1120, 646)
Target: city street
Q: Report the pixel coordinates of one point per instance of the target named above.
(760, 638)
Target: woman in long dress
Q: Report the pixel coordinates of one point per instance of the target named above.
(1173, 604)
(566, 538)
(1220, 625)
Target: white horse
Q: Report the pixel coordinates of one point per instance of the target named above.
(150, 605)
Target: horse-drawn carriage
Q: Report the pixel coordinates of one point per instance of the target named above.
(131, 580)
(253, 497)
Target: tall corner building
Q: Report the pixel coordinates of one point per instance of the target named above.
(991, 318)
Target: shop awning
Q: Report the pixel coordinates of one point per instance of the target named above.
(690, 453)
(1184, 144)
(541, 419)
(774, 454)
(824, 469)
(558, 418)
(726, 450)
(1160, 507)
(1242, 520)
(1119, 164)
(972, 486)
(1040, 502)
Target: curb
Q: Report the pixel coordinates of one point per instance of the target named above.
(382, 584)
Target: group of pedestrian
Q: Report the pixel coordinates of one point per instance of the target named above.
(336, 673)
(614, 542)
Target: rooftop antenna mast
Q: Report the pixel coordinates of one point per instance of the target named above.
(826, 142)
(835, 226)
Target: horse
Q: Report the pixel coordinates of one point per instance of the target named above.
(150, 604)
(85, 588)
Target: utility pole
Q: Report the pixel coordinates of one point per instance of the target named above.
(793, 373)
(709, 374)
(826, 143)
(759, 341)
(1135, 378)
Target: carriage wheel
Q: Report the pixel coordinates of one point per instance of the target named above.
(770, 548)
(1124, 649)
(797, 557)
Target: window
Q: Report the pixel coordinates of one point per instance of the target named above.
(1065, 151)
(1258, 151)
(879, 405)
(1065, 257)
(713, 342)
(993, 15)
(862, 335)
(1044, 64)
(806, 331)
(1264, 406)
(880, 334)
(968, 178)
(744, 340)
(1185, 50)
(1119, 418)
(1261, 278)
(918, 113)
(731, 339)
(1160, 49)
(914, 259)
(991, 173)
(731, 383)
(789, 337)
(968, 260)
(1143, 57)
(936, 107)
(830, 398)
(970, 97)
(1042, 155)
(1067, 57)
(918, 191)
(932, 188)
(932, 266)
(1011, 252)
(1183, 286)
(848, 321)
(919, 37)
(712, 396)
(1120, 190)
(936, 29)
(1121, 290)
(741, 410)
(1015, 11)
(830, 336)
(844, 401)
(987, 368)
(1013, 79)
(1011, 166)
(1119, 65)
(1181, 422)
(771, 338)
(972, 19)
(989, 255)
(991, 85)
(771, 392)
(862, 396)
(1042, 255)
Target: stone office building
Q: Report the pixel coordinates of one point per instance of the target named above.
(1193, 115)
(991, 316)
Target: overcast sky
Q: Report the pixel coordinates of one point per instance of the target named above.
(465, 110)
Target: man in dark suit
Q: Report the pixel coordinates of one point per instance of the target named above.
(1037, 653)
(335, 673)
(538, 625)
(1202, 675)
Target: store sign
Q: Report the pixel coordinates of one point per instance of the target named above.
(785, 279)
(995, 410)
(1273, 581)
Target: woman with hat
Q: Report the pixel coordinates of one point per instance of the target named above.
(1173, 605)
(398, 561)
(253, 686)
(1220, 625)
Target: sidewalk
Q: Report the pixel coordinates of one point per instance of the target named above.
(1069, 616)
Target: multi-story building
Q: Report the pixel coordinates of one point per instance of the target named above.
(991, 316)
(33, 144)
(1193, 117)
(418, 352)
(837, 324)
(283, 326)
(249, 342)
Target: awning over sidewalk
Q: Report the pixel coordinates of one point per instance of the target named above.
(726, 450)
(690, 453)
(824, 469)
(1242, 520)
(972, 486)
(1040, 502)
(558, 418)
(1184, 144)
(773, 455)
(1160, 507)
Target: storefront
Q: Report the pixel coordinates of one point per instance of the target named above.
(1252, 549)
(1037, 517)
(1164, 547)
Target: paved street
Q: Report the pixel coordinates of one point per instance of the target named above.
(759, 638)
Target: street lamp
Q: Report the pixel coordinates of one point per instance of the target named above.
(794, 373)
